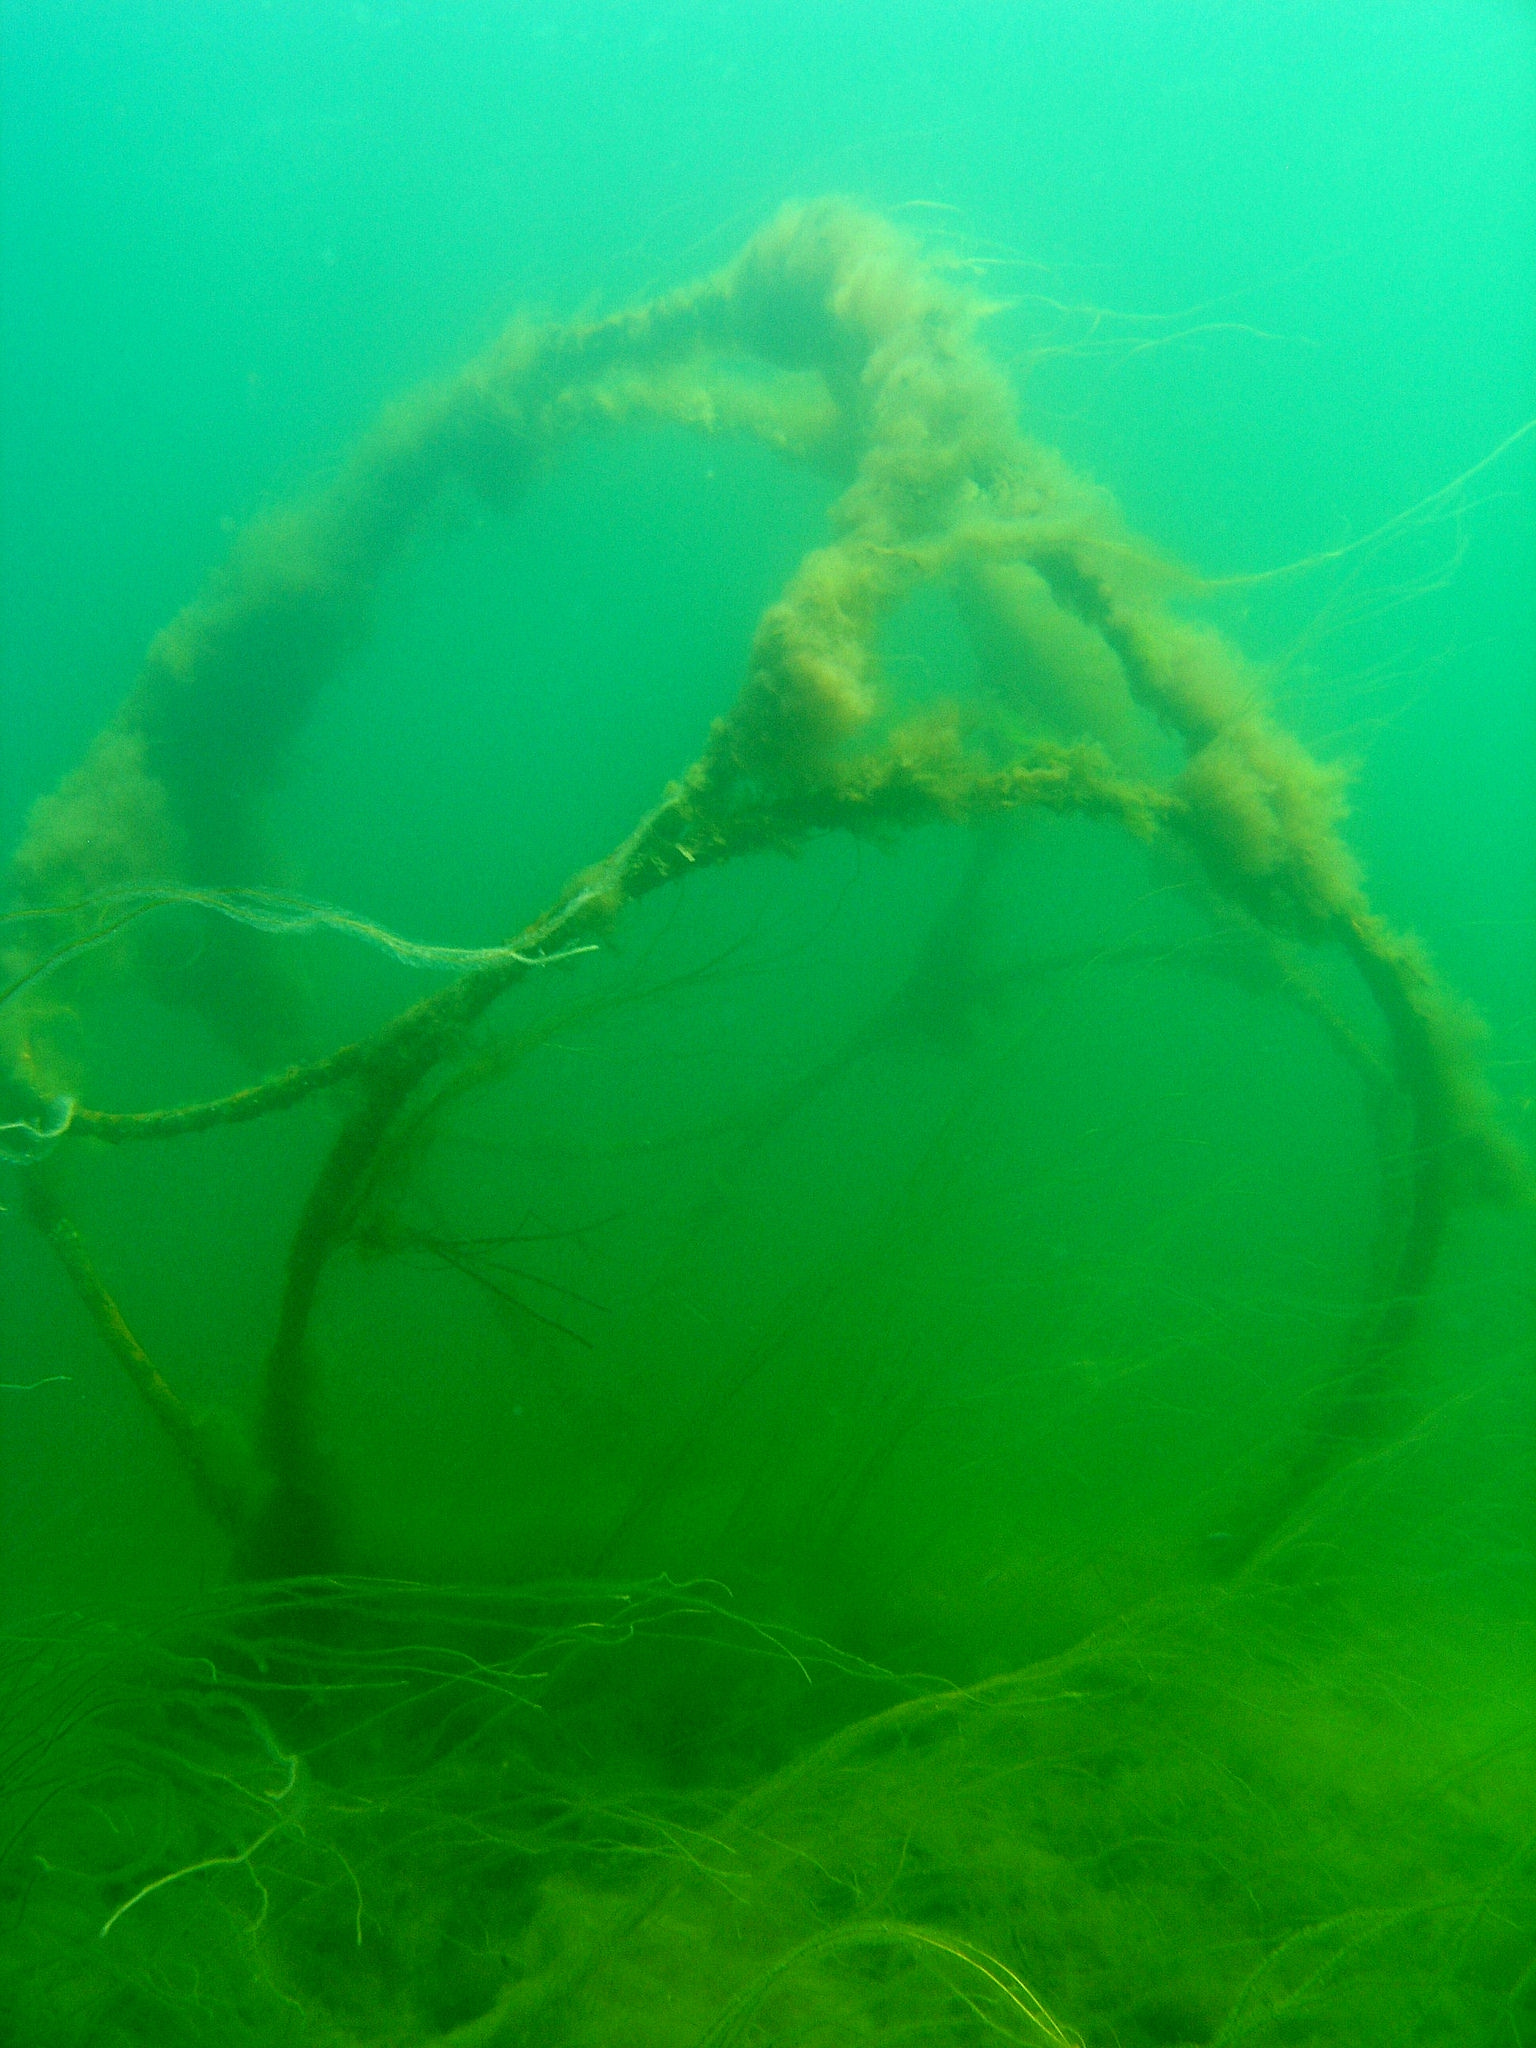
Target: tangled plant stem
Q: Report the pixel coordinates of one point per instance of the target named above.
(829, 338)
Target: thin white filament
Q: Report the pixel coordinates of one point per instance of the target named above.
(265, 910)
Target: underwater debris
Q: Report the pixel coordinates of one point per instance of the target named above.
(333, 1812)
(940, 486)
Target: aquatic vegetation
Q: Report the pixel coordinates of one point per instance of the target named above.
(343, 1811)
(342, 1808)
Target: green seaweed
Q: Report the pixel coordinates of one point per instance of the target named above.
(939, 1768)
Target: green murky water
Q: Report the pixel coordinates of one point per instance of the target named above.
(847, 1503)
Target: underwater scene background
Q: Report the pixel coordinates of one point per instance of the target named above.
(814, 725)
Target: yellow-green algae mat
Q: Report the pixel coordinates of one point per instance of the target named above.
(338, 1808)
(367, 1812)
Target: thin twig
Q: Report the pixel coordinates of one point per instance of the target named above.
(217, 1492)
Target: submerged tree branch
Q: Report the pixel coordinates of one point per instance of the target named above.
(218, 1487)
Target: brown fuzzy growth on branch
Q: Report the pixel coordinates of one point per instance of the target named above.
(831, 339)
